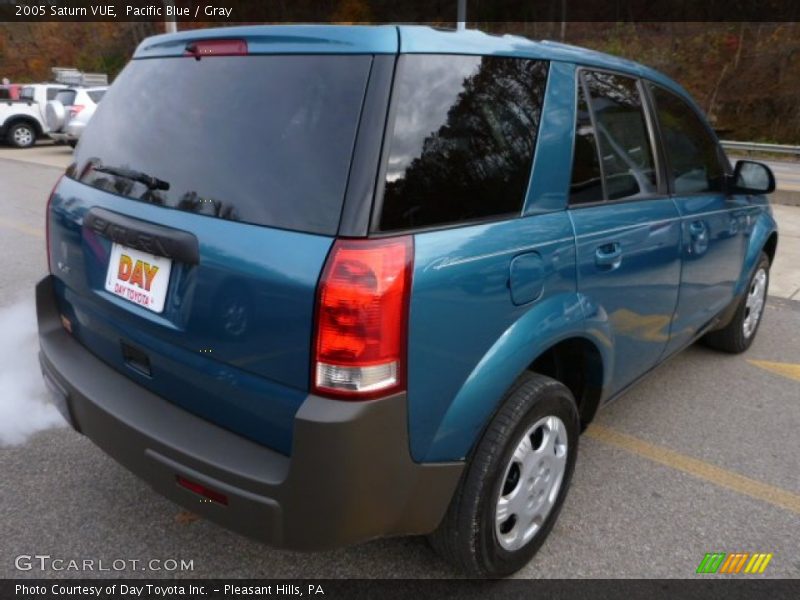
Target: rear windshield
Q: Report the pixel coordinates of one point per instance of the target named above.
(66, 97)
(259, 139)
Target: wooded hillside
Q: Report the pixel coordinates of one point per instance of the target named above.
(746, 76)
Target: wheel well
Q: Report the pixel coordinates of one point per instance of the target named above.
(577, 363)
(771, 246)
(17, 120)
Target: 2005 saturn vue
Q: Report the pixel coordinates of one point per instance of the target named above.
(323, 284)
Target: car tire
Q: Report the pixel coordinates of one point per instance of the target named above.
(21, 135)
(740, 332)
(474, 535)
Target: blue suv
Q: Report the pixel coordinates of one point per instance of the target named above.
(324, 284)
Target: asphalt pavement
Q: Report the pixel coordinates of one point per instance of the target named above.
(702, 456)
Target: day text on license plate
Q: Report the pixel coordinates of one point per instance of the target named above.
(139, 277)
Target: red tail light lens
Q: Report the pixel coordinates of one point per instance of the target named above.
(202, 490)
(75, 109)
(47, 222)
(216, 48)
(362, 318)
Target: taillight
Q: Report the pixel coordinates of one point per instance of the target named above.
(47, 221)
(75, 109)
(216, 48)
(362, 318)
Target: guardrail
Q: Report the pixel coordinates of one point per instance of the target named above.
(753, 147)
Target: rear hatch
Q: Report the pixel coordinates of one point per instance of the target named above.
(188, 237)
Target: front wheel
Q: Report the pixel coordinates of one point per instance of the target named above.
(737, 335)
(515, 483)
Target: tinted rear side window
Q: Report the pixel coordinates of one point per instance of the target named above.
(66, 97)
(96, 96)
(463, 138)
(260, 139)
(695, 166)
(627, 158)
(587, 179)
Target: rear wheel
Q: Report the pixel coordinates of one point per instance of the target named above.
(737, 335)
(514, 486)
(21, 135)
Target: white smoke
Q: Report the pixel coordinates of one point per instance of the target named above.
(24, 405)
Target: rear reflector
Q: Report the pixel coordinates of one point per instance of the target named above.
(47, 222)
(202, 490)
(216, 48)
(362, 318)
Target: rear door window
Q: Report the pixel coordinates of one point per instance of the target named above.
(619, 131)
(463, 138)
(692, 154)
(66, 97)
(266, 140)
(587, 178)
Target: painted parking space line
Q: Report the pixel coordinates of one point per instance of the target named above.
(790, 370)
(697, 468)
(20, 227)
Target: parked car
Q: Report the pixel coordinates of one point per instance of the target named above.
(22, 120)
(412, 356)
(70, 111)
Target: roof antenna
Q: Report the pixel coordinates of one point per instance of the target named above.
(461, 15)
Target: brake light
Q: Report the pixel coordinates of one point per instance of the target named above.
(216, 48)
(47, 221)
(75, 109)
(362, 318)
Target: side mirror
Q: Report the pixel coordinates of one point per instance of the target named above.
(750, 177)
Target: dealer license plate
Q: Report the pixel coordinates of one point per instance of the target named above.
(139, 277)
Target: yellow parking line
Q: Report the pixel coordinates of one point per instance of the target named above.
(697, 468)
(21, 227)
(790, 370)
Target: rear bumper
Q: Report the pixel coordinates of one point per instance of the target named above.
(74, 129)
(350, 477)
(61, 136)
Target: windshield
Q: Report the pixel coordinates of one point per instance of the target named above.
(259, 139)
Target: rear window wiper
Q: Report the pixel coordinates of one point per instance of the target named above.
(152, 183)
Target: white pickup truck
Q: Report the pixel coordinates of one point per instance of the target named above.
(22, 121)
